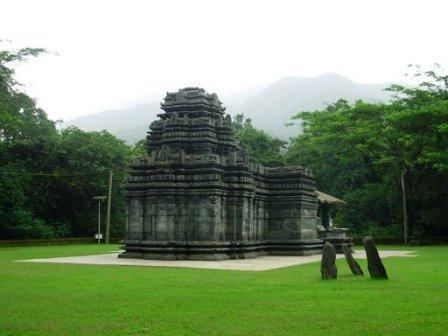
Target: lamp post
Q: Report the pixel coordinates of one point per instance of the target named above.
(99, 199)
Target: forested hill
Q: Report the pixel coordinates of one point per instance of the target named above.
(130, 124)
(273, 106)
(269, 106)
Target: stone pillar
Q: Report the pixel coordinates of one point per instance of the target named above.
(352, 263)
(374, 263)
(328, 267)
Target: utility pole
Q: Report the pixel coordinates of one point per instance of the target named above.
(109, 199)
(99, 221)
(404, 190)
(99, 199)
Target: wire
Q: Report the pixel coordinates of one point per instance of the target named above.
(55, 174)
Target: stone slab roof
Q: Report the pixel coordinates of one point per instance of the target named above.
(328, 199)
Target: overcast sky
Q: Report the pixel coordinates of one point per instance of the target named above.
(114, 52)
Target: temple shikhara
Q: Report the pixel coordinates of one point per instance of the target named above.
(198, 195)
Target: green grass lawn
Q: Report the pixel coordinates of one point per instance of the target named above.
(58, 299)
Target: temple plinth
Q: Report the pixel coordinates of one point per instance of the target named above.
(198, 195)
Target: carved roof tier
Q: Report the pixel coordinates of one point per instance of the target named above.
(192, 99)
(194, 122)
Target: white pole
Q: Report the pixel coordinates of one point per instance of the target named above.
(99, 221)
(109, 199)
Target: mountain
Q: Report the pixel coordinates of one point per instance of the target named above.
(130, 124)
(269, 106)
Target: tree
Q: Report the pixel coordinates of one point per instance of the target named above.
(23, 130)
(419, 124)
(369, 154)
(90, 155)
(47, 177)
(139, 148)
(263, 147)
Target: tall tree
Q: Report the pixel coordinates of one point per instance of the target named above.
(375, 154)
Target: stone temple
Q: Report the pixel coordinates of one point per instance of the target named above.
(198, 195)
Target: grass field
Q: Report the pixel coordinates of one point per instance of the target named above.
(62, 299)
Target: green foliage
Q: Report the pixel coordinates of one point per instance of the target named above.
(358, 152)
(6, 57)
(139, 149)
(261, 146)
(47, 177)
(90, 155)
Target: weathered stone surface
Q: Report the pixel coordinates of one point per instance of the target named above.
(198, 195)
(328, 267)
(352, 263)
(374, 263)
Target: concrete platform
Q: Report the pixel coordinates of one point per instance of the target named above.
(259, 264)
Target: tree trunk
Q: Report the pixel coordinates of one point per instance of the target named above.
(404, 190)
